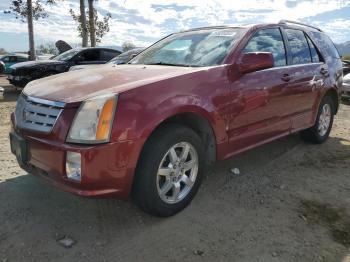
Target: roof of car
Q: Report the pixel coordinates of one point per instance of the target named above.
(95, 47)
(288, 23)
(15, 54)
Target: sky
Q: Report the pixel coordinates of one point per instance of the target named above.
(145, 21)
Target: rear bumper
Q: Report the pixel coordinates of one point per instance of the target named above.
(345, 91)
(107, 170)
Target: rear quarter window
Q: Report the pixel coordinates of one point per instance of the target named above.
(107, 55)
(325, 45)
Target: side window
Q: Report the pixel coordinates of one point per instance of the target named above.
(107, 55)
(91, 55)
(21, 59)
(268, 40)
(13, 59)
(314, 54)
(299, 47)
(325, 44)
(6, 59)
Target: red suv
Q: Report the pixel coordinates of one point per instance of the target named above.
(149, 128)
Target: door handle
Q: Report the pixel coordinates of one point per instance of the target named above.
(286, 77)
(324, 71)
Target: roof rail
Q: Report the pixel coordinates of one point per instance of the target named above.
(299, 23)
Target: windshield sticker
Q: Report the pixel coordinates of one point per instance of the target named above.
(222, 33)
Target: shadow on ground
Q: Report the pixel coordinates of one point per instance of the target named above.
(276, 210)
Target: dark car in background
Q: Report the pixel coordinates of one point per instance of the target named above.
(23, 73)
(9, 60)
(123, 58)
(346, 67)
(2, 67)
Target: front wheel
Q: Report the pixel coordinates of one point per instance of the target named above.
(324, 122)
(170, 171)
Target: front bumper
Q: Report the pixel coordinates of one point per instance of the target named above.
(107, 169)
(19, 81)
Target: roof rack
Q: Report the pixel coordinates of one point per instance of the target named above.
(299, 23)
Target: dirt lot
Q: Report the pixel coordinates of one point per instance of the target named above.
(291, 202)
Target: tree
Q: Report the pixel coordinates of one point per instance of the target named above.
(48, 48)
(26, 10)
(84, 31)
(127, 45)
(92, 23)
(97, 28)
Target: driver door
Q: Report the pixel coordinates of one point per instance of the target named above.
(260, 96)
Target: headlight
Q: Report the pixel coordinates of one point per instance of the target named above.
(93, 121)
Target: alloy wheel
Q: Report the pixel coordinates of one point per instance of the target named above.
(177, 173)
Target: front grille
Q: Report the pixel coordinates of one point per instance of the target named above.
(37, 114)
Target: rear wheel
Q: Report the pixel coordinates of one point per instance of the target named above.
(324, 122)
(170, 171)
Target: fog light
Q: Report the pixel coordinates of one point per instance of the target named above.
(73, 166)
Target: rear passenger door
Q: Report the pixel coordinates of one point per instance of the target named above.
(306, 74)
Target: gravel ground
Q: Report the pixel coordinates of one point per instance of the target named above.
(290, 202)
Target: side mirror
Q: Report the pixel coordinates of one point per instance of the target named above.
(251, 62)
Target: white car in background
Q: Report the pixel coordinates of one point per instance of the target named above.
(346, 87)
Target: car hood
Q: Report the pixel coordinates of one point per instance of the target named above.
(78, 67)
(36, 63)
(78, 85)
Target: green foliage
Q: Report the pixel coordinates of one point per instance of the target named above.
(128, 46)
(48, 48)
(101, 25)
(20, 9)
(346, 57)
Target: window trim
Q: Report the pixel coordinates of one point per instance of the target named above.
(289, 47)
(283, 40)
(322, 60)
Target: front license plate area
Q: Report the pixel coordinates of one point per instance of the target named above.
(19, 147)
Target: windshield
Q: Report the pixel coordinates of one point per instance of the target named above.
(66, 55)
(194, 48)
(120, 59)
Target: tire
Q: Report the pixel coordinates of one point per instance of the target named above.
(158, 179)
(317, 134)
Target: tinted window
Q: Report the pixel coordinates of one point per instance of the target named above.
(299, 47)
(91, 55)
(13, 59)
(107, 55)
(268, 40)
(66, 55)
(21, 59)
(314, 54)
(325, 44)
